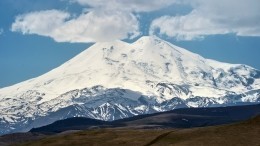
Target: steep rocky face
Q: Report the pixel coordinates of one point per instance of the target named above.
(115, 80)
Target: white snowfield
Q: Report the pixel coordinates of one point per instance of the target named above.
(113, 80)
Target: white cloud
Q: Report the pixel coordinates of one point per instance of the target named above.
(41, 22)
(98, 26)
(241, 17)
(104, 21)
(117, 19)
(92, 26)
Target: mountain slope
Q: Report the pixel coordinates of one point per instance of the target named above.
(178, 118)
(224, 135)
(114, 80)
(169, 121)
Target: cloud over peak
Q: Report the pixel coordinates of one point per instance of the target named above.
(103, 20)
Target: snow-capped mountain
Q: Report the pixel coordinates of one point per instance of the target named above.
(113, 80)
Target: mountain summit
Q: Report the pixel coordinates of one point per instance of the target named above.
(114, 80)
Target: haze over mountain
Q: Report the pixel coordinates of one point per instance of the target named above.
(114, 80)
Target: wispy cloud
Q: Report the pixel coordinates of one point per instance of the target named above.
(241, 17)
(1, 31)
(128, 5)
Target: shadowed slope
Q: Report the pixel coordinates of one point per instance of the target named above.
(179, 118)
(244, 133)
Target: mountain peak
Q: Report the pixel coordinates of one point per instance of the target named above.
(143, 39)
(149, 75)
(114, 42)
(149, 39)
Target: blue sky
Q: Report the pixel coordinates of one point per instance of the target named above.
(37, 36)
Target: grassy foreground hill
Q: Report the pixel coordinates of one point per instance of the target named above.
(243, 133)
